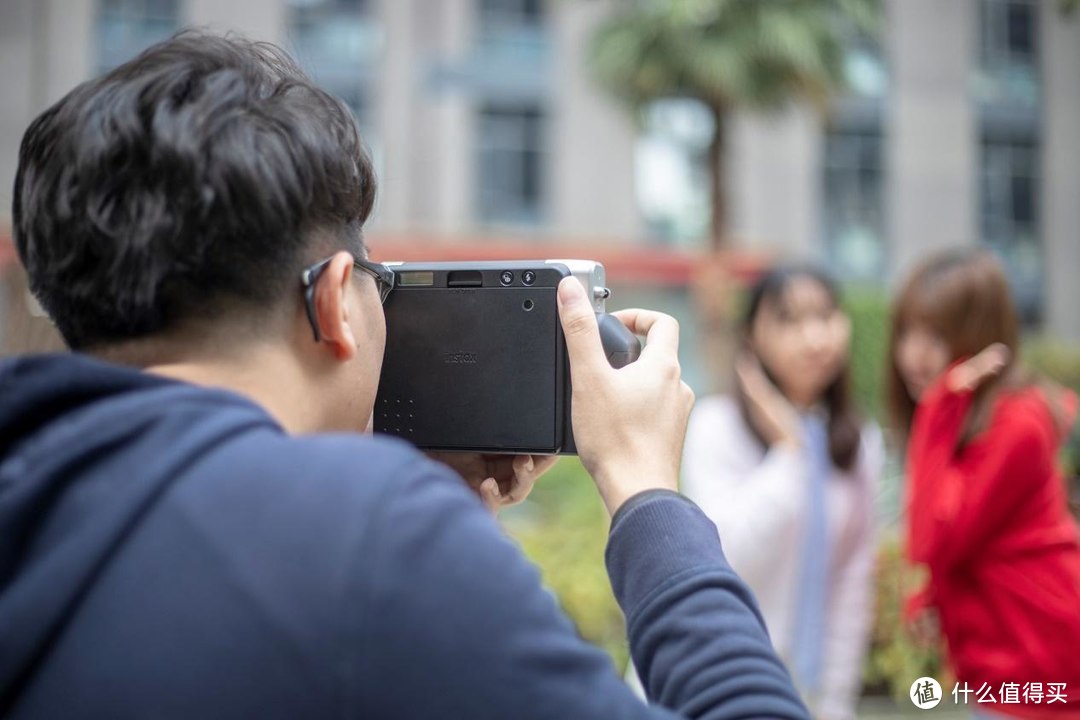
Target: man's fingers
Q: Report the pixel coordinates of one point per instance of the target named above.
(530, 467)
(524, 466)
(489, 493)
(543, 463)
(579, 327)
(661, 331)
(525, 470)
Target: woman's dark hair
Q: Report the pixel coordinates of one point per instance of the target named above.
(197, 174)
(844, 422)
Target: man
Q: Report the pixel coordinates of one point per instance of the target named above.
(192, 523)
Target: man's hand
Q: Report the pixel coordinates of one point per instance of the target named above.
(499, 480)
(629, 424)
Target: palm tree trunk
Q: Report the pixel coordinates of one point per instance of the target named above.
(718, 223)
(713, 286)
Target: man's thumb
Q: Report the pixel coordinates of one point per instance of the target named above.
(579, 326)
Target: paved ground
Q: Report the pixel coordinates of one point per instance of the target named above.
(882, 709)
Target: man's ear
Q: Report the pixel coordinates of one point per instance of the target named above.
(332, 306)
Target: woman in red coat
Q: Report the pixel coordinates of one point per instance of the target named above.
(987, 506)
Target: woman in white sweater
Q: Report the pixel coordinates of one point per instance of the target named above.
(788, 474)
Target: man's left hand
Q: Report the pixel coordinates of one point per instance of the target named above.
(499, 480)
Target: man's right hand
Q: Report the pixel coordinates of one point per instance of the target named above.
(629, 424)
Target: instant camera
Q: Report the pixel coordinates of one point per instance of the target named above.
(476, 358)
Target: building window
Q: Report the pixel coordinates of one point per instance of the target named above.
(338, 43)
(512, 37)
(127, 27)
(1008, 51)
(507, 14)
(672, 171)
(1009, 191)
(853, 209)
(865, 73)
(510, 165)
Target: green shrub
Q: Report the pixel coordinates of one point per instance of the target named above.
(894, 659)
(869, 312)
(1055, 360)
(1061, 363)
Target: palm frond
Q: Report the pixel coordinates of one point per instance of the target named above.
(752, 53)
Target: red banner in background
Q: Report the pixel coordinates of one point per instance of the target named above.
(643, 264)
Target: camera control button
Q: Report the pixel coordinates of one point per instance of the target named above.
(528, 277)
(506, 277)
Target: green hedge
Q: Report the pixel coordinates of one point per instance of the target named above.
(894, 659)
(869, 313)
(1060, 363)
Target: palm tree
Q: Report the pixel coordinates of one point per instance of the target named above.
(728, 54)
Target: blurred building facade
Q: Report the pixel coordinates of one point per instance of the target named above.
(962, 126)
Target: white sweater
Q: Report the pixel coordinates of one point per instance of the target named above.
(757, 499)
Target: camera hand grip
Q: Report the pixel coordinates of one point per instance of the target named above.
(620, 345)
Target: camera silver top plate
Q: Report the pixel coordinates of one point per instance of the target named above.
(591, 275)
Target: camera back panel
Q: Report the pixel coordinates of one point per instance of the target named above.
(474, 362)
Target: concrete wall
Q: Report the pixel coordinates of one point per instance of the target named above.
(773, 180)
(441, 148)
(45, 50)
(1061, 172)
(592, 168)
(427, 113)
(257, 19)
(396, 114)
(19, 23)
(930, 126)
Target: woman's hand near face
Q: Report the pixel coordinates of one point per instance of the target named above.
(973, 372)
(770, 412)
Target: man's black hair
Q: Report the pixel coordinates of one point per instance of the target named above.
(193, 177)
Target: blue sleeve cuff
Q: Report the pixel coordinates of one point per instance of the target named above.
(656, 536)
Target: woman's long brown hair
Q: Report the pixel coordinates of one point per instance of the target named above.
(963, 297)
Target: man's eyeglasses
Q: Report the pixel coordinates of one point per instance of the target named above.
(384, 281)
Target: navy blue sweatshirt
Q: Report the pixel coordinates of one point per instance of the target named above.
(168, 551)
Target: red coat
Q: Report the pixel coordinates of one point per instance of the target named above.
(992, 525)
